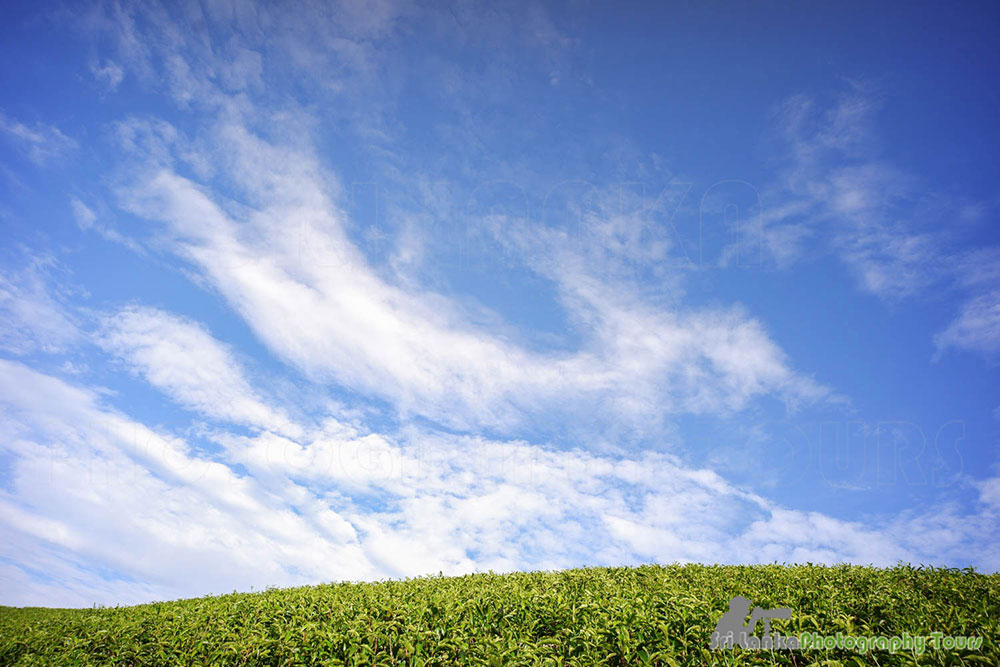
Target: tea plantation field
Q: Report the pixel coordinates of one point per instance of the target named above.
(649, 615)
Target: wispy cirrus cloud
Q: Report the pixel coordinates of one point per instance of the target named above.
(109, 73)
(870, 213)
(208, 54)
(182, 359)
(977, 326)
(40, 142)
(318, 302)
(896, 235)
(32, 315)
(313, 298)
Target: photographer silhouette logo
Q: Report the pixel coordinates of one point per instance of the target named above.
(730, 630)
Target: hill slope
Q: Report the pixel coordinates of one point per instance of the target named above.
(613, 616)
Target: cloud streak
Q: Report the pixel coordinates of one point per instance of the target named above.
(41, 143)
(182, 359)
(312, 297)
(898, 238)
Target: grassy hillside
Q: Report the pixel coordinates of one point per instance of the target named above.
(609, 616)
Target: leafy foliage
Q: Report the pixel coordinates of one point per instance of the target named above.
(650, 615)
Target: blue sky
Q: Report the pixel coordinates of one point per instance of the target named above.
(314, 292)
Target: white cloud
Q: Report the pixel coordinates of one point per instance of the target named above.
(31, 315)
(163, 44)
(41, 143)
(977, 326)
(87, 220)
(287, 266)
(276, 246)
(877, 219)
(899, 238)
(85, 217)
(98, 492)
(109, 73)
(181, 358)
(343, 504)
(989, 493)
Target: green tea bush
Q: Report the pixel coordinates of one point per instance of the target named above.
(650, 615)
